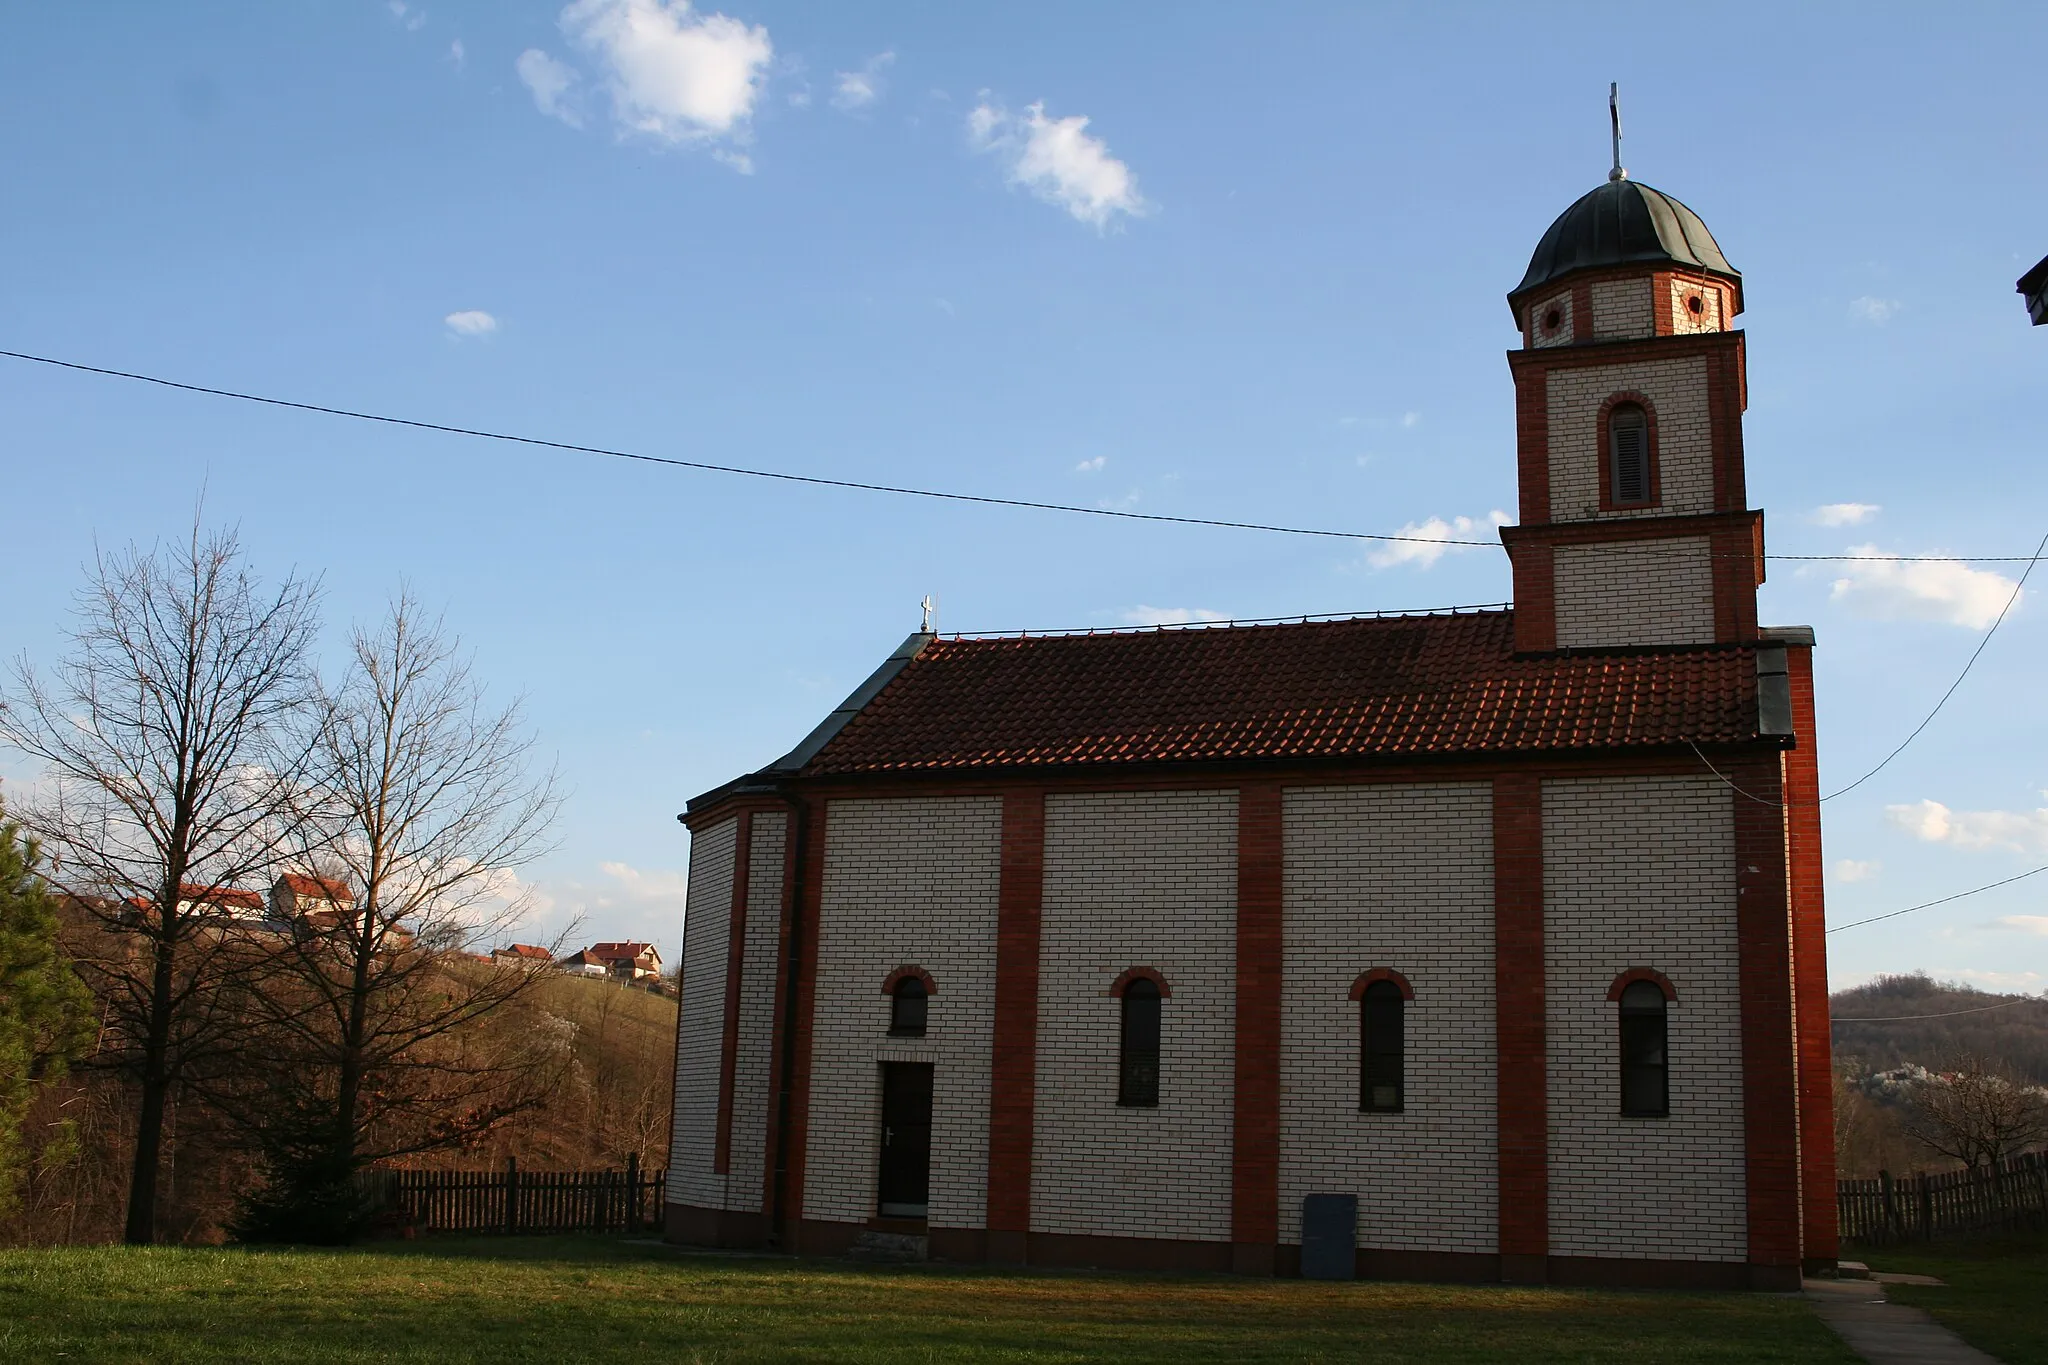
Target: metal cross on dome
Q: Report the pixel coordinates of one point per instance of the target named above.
(1614, 119)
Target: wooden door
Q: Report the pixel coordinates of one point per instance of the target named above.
(906, 1138)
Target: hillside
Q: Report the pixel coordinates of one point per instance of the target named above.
(2015, 1033)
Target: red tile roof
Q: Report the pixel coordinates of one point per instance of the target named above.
(617, 952)
(1379, 687)
(222, 897)
(525, 950)
(319, 888)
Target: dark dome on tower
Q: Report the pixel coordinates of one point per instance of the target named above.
(1624, 223)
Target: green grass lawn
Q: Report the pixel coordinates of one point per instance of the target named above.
(1996, 1297)
(586, 1301)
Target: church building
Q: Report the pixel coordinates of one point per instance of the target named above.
(1482, 945)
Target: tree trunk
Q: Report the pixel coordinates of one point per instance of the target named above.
(156, 1088)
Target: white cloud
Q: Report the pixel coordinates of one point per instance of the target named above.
(550, 81)
(1170, 616)
(645, 886)
(859, 89)
(1844, 513)
(1093, 466)
(1411, 420)
(674, 74)
(1427, 543)
(458, 54)
(1887, 588)
(1875, 311)
(1850, 870)
(1057, 160)
(2021, 831)
(471, 322)
(2026, 924)
(413, 19)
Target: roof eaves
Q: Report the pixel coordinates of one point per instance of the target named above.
(829, 728)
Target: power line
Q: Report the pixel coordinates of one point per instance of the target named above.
(1945, 1014)
(1972, 663)
(865, 487)
(1929, 905)
(1928, 720)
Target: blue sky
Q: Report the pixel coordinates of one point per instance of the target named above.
(1263, 280)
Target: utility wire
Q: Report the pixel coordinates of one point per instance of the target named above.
(1929, 905)
(1946, 1014)
(1972, 663)
(1969, 664)
(822, 482)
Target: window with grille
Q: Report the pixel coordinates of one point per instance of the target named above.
(1645, 1066)
(1138, 1060)
(1628, 446)
(907, 1006)
(1380, 1081)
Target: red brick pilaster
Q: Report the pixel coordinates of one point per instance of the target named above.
(1532, 440)
(1770, 1095)
(789, 1072)
(1521, 1086)
(1014, 1068)
(735, 958)
(1255, 1157)
(1810, 972)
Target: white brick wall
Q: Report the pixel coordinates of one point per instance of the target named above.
(1635, 592)
(1136, 879)
(1643, 1187)
(1622, 309)
(905, 881)
(700, 1030)
(1561, 335)
(747, 1157)
(1683, 319)
(1401, 877)
(1677, 389)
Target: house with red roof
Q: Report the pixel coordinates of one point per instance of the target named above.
(523, 955)
(323, 902)
(224, 902)
(1480, 944)
(623, 961)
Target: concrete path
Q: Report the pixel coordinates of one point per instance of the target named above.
(1888, 1333)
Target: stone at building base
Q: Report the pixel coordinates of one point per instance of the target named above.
(889, 1247)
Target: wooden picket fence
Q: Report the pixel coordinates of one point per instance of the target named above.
(1923, 1207)
(509, 1200)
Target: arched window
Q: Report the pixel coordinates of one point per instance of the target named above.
(1380, 1009)
(1628, 454)
(907, 1005)
(1138, 1058)
(1645, 1068)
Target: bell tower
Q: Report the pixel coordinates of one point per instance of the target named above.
(1629, 392)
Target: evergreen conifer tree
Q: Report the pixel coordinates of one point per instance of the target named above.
(45, 1010)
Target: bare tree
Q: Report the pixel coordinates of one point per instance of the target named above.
(1976, 1113)
(428, 805)
(170, 744)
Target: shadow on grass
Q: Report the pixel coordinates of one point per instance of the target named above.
(592, 1300)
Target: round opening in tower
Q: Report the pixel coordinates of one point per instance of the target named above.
(1695, 305)
(1551, 319)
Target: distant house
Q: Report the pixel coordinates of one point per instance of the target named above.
(225, 902)
(627, 961)
(295, 894)
(523, 954)
(583, 964)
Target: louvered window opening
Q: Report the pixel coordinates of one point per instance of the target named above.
(1381, 1045)
(1138, 1057)
(1645, 1057)
(1628, 440)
